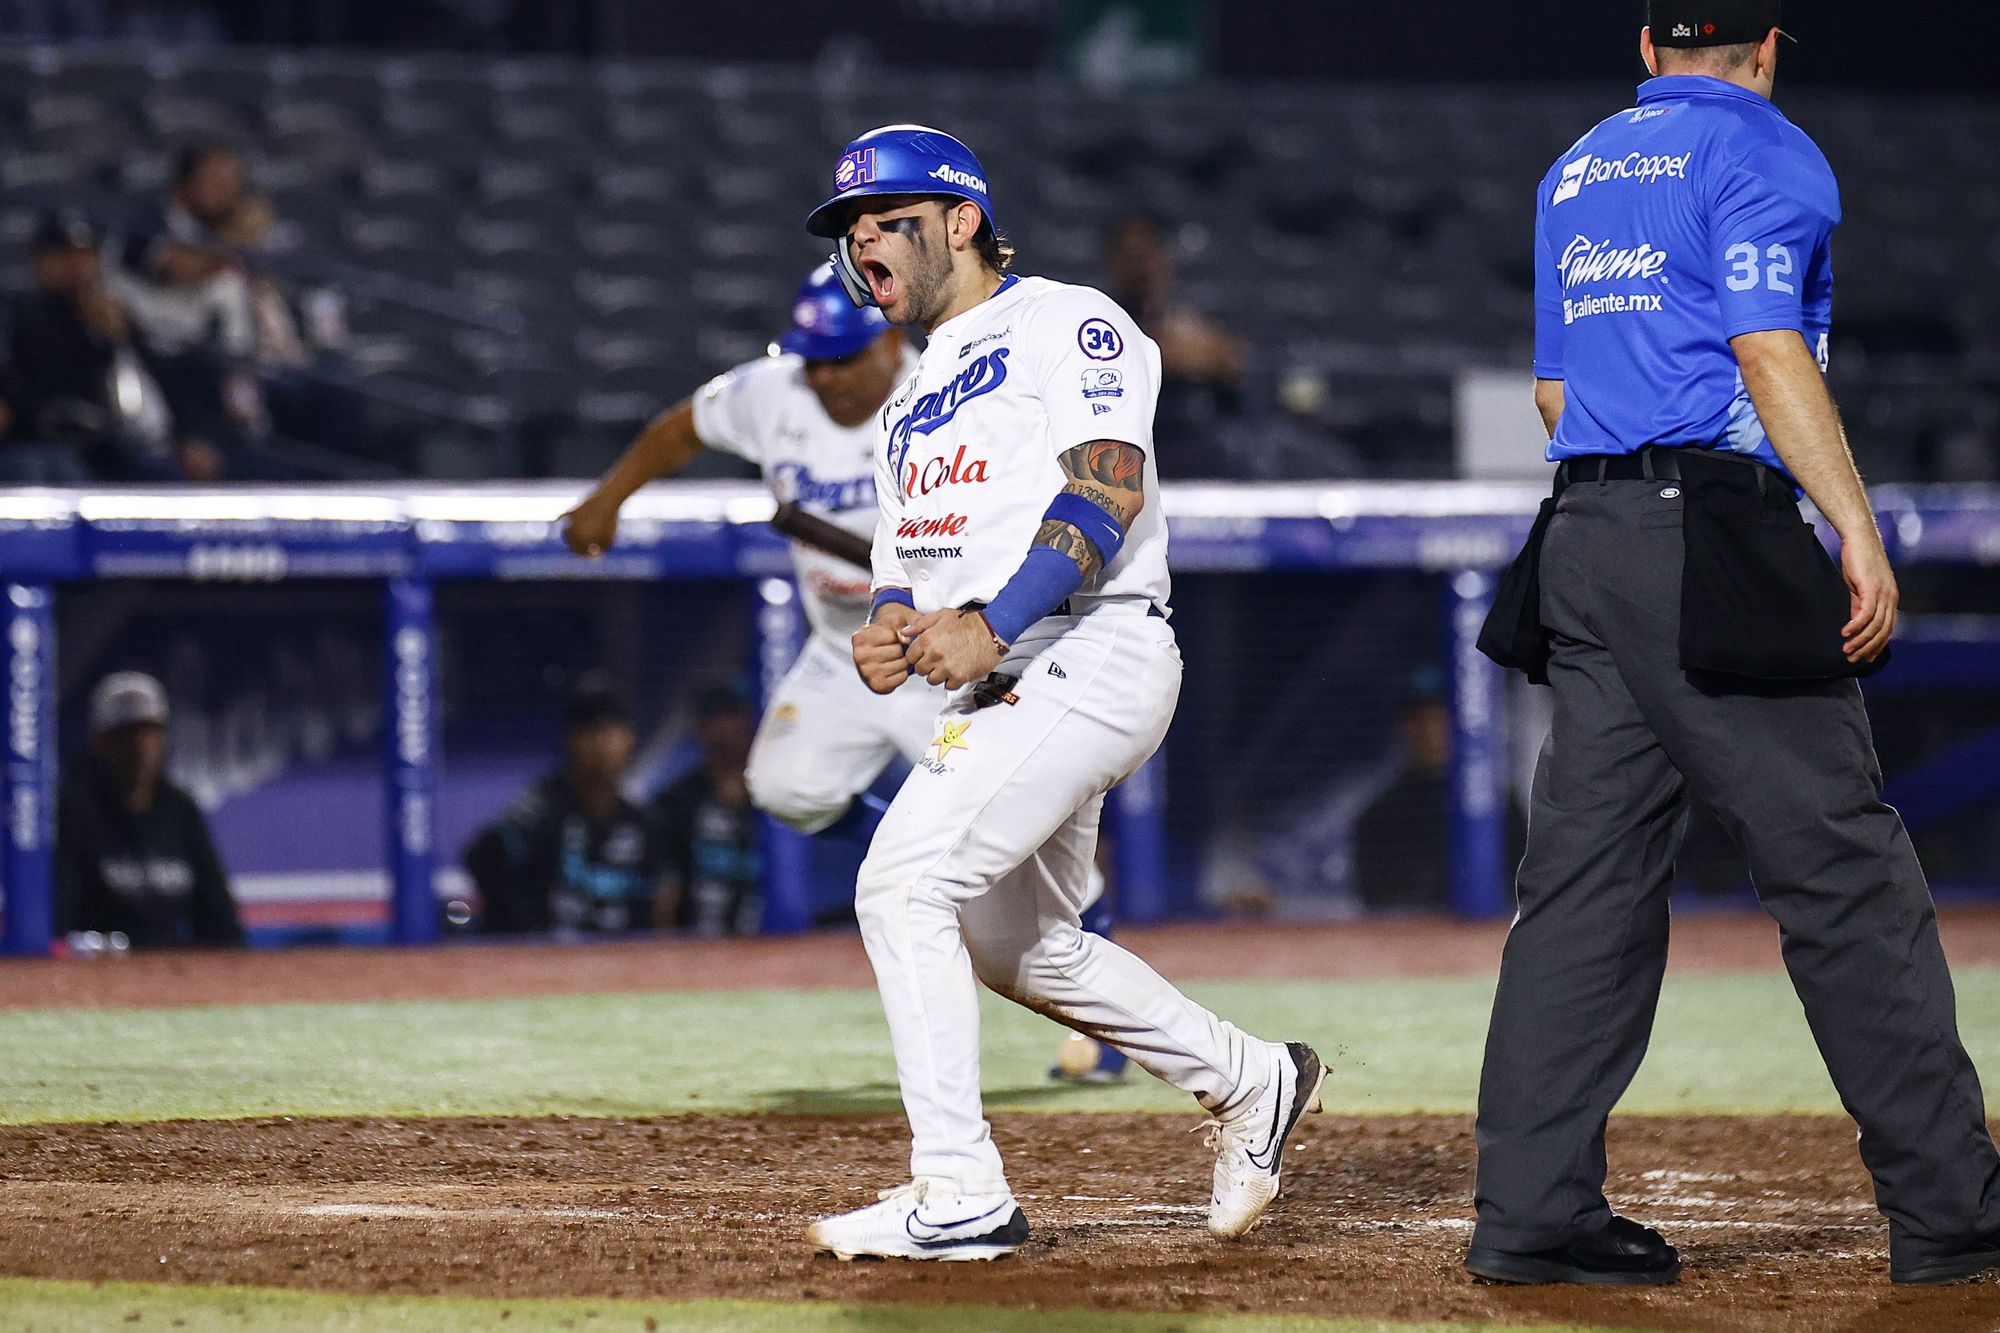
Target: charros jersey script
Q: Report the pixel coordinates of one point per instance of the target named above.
(967, 450)
(1696, 216)
(765, 412)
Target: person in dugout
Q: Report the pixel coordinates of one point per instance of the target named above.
(133, 852)
(572, 855)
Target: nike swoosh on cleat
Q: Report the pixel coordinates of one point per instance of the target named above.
(938, 1229)
(1281, 1128)
(1010, 1233)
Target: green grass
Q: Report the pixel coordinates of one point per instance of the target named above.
(54, 1307)
(1727, 1044)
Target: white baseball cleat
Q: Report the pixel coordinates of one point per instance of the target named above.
(925, 1219)
(1250, 1148)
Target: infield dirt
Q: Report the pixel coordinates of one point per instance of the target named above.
(1772, 1215)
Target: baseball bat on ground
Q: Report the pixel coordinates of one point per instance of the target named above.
(821, 535)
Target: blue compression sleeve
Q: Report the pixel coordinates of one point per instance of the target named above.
(1093, 520)
(1045, 579)
(900, 596)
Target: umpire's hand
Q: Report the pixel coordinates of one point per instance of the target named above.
(880, 645)
(1872, 595)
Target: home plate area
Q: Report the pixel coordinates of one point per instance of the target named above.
(1771, 1214)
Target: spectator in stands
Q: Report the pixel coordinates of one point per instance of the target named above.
(572, 855)
(1402, 844)
(1201, 366)
(192, 308)
(708, 829)
(81, 399)
(133, 852)
(212, 325)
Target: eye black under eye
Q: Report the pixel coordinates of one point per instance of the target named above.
(908, 226)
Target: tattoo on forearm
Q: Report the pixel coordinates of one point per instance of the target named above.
(1064, 537)
(1119, 466)
(1110, 475)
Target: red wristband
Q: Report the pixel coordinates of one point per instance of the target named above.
(998, 642)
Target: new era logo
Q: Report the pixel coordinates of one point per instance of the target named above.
(1058, 672)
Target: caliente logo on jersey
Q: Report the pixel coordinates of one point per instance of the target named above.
(933, 410)
(1587, 261)
(942, 525)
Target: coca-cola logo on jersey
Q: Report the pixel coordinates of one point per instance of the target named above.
(932, 410)
(920, 479)
(943, 525)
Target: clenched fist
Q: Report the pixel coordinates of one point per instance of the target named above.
(879, 648)
(953, 648)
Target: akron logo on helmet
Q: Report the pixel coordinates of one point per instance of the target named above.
(857, 168)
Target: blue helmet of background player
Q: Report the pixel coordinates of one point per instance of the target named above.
(896, 159)
(826, 325)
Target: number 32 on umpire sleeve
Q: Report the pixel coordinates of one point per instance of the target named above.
(1743, 271)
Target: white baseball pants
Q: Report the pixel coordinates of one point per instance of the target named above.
(826, 736)
(982, 865)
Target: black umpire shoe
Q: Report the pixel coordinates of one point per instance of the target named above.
(1622, 1254)
(1976, 1256)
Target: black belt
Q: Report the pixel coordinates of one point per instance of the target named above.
(1653, 463)
(1062, 608)
(1649, 464)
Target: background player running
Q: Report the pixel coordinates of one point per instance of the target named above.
(806, 418)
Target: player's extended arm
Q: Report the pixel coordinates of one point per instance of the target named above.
(1082, 532)
(1550, 398)
(1789, 392)
(667, 445)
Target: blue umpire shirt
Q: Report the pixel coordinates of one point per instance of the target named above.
(1674, 226)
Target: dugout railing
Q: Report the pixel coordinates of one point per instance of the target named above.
(405, 548)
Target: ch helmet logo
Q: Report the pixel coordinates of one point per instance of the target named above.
(856, 169)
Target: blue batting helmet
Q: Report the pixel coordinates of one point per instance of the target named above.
(896, 159)
(826, 325)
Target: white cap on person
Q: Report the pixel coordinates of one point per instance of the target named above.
(124, 699)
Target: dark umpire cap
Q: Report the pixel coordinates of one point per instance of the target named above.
(1712, 22)
(66, 229)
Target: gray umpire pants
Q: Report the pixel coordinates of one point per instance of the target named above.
(1794, 777)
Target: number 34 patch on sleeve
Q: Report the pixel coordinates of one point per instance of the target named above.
(1099, 341)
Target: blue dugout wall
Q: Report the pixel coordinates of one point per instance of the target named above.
(1301, 609)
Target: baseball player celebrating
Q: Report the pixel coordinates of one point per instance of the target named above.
(806, 417)
(1020, 562)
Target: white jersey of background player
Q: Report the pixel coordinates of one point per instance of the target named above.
(1020, 561)
(806, 417)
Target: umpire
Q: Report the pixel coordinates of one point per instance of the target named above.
(1700, 642)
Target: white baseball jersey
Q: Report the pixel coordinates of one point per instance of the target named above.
(965, 462)
(765, 412)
